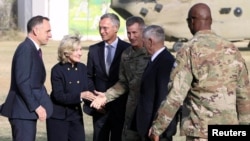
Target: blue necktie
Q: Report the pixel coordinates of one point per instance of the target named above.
(108, 57)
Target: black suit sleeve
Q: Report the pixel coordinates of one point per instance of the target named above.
(162, 77)
(24, 62)
(91, 70)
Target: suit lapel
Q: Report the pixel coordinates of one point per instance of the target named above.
(101, 56)
(149, 69)
(37, 58)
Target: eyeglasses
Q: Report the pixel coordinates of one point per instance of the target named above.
(190, 18)
(104, 28)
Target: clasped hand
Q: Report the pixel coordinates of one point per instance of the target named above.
(88, 95)
(100, 100)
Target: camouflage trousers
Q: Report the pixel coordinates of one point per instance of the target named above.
(189, 138)
(128, 134)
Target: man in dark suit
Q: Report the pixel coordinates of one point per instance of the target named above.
(103, 70)
(154, 82)
(28, 99)
(133, 62)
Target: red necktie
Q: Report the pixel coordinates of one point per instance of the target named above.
(40, 53)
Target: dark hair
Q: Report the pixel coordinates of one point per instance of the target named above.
(35, 21)
(135, 19)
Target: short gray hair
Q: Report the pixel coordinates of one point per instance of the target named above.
(154, 31)
(114, 18)
(67, 45)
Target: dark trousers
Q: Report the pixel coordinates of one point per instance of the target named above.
(23, 130)
(161, 139)
(62, 130)
(130, 135)
(107, 127)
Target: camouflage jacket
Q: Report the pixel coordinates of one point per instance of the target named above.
(132, 65)
(211, 81)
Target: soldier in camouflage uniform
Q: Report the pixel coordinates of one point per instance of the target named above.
(210, 80)
(133, 62)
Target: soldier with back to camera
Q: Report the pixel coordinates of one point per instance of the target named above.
(211, 80)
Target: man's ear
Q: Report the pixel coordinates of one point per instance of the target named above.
(116, 29)
(150, 40)
(35, 31)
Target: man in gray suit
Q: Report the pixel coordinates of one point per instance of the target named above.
(28, 99)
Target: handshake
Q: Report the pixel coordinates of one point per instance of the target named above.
(98, 99)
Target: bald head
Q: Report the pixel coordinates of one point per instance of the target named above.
(199, 18)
